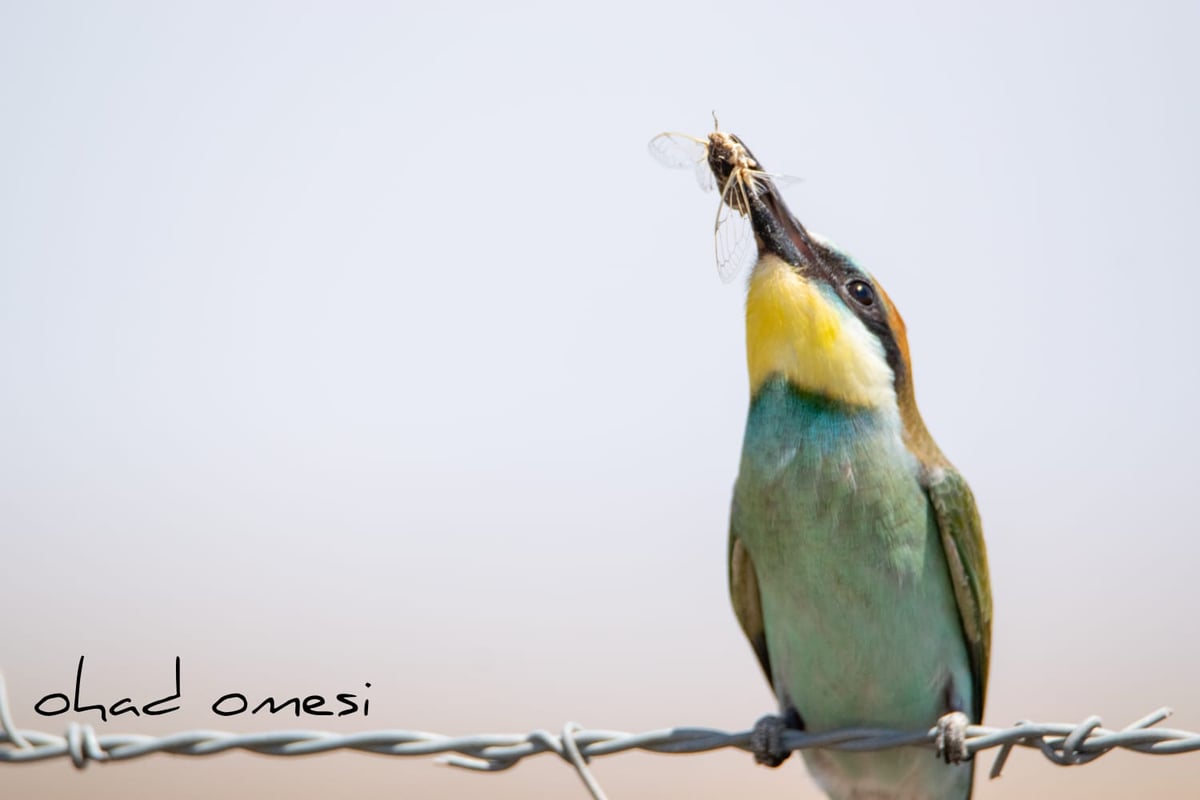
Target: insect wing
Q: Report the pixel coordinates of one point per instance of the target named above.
(680, 151)
(783, 181)
(733, 235)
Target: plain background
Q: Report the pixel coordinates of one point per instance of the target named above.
(347, 343)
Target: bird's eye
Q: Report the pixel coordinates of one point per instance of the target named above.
(862, 292)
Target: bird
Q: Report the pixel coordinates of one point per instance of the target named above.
(857, 565)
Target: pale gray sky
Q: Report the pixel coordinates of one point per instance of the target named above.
(362, 342)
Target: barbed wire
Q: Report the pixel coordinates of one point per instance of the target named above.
(1066, 744)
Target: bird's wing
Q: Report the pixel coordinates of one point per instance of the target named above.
(743, 588)
(962, 541)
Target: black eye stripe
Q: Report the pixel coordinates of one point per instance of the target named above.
(840, 272)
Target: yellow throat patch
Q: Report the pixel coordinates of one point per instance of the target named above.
(795, 329)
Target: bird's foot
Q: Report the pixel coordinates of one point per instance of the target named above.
(952, 737)
(766, 741)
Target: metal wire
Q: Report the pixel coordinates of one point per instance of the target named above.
(1063, 743)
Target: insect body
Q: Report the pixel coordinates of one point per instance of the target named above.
(739, 176)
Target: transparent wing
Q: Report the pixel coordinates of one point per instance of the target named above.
(680, 151)
(783, 181)
(733, 236)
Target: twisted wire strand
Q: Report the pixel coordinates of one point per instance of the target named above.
(1066, 744)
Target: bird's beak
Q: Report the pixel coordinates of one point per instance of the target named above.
(776, 230)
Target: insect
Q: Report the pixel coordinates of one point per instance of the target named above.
(722, 162)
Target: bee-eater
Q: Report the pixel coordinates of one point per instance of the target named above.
(856, 559)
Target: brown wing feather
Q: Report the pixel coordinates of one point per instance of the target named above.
(747, 605)
(962, 541)
(957, 519)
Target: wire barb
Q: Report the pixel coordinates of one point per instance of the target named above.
(1062, 743)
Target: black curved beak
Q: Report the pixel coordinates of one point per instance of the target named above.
(776, 229)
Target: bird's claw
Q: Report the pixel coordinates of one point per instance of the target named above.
(952, 737)
(766, 741)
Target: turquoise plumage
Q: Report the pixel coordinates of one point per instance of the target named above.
(859, 619)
